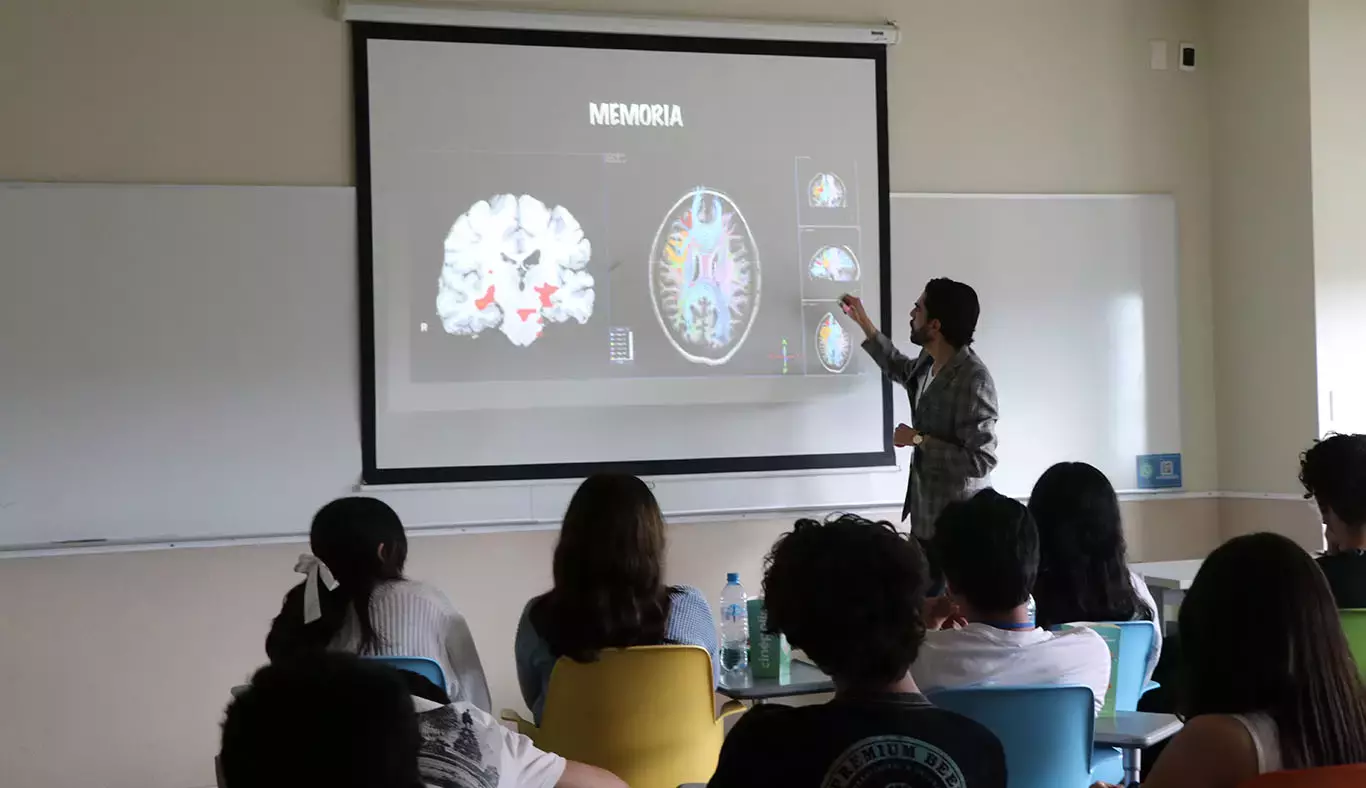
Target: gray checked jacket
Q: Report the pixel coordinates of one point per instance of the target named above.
(957, 414)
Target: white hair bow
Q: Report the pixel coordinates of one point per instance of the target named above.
(316, 572)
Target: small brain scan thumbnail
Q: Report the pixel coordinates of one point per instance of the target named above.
(834, 346)
(704, 277)
(834, 264)
(826, 190)
(516, 265)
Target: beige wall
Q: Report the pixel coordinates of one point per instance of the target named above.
(1263, 241)
(113, 668)
(1337, 37)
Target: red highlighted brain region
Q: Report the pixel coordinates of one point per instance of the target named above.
(704, 277)
(516, 265)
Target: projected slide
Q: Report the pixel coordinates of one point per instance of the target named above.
(601, 254)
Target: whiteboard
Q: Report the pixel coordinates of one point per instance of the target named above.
(181, 363)
(1079, 319)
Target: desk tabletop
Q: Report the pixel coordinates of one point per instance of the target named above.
(1135, 729)
(1177, 574)
(801, 679)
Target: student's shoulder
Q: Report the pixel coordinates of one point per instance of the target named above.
(962, 734)
(1081, 637)
(689, 603)
(770, 721)
(688, 595)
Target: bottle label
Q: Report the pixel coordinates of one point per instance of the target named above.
(732, 613)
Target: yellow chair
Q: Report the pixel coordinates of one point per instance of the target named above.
(1354, 627)
(646, 714)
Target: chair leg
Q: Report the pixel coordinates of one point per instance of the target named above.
(1133, 765)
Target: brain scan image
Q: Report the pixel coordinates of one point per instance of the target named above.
(515, 265)
(826, 190)
(834, 346)
(704, 277)
(834, 264)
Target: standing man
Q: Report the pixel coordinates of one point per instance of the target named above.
(953, 399)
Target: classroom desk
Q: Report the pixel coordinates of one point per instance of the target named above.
(803, 679)
(1168, 581)
(1133, 732)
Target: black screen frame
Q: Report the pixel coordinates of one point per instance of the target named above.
(371, 474)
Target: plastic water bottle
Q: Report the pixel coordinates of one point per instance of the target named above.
(734, 625)
(1033, 619)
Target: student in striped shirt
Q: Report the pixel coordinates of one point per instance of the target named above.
(355, 598)
(609, 587)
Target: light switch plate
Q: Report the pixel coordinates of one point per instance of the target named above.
(1158, 49)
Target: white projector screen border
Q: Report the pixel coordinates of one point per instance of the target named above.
(363, 33)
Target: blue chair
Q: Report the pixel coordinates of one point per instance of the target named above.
(1047, 732)
(425, 667)
(1137, 639)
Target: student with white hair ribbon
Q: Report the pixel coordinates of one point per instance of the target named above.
(316, 573)
(355, 598)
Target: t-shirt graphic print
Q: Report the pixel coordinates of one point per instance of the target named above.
(451, 756)
(893, 762)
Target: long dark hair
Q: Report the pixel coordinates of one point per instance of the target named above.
(1083, 572)
(609, 572)
(1260, 633)
(361, 541)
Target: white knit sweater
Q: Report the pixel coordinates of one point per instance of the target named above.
(414, 619)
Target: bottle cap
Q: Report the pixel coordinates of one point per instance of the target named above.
(732, 577)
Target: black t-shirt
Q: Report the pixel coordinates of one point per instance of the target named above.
(864, 741)
(1346, 573)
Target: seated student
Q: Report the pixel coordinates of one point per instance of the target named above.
(609, 587)
(988, 550)
(356, 599)
(850, 594)
(1083, 572)
(1271, 685)
(464, 747)
(1333, 473)
(327, 720)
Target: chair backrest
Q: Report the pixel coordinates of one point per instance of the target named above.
(1129, 664)
(1047, 732)
(1354, 627)
(425, 667)
(647, 714)
(1326, 777)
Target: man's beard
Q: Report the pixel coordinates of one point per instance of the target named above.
(918, 336)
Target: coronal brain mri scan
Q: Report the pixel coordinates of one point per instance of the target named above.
(621, 253)
(513, 264)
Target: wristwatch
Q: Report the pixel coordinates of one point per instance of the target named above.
(918, 439)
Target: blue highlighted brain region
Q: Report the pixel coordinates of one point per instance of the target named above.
(704, 277)
(826, 190)
(834, 346)
(834, 264)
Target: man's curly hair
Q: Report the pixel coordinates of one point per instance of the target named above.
(850, 593)
(1333, 473)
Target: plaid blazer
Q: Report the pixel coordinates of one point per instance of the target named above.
(957, 413)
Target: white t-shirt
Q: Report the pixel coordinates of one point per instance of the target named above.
(982, 655)
(1144, 595)
(463, 747)
(926, 378)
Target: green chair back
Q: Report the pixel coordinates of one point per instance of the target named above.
(1354, 627)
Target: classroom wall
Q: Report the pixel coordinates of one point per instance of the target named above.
(114, 668)
(1337, 71)
(1263, 242)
